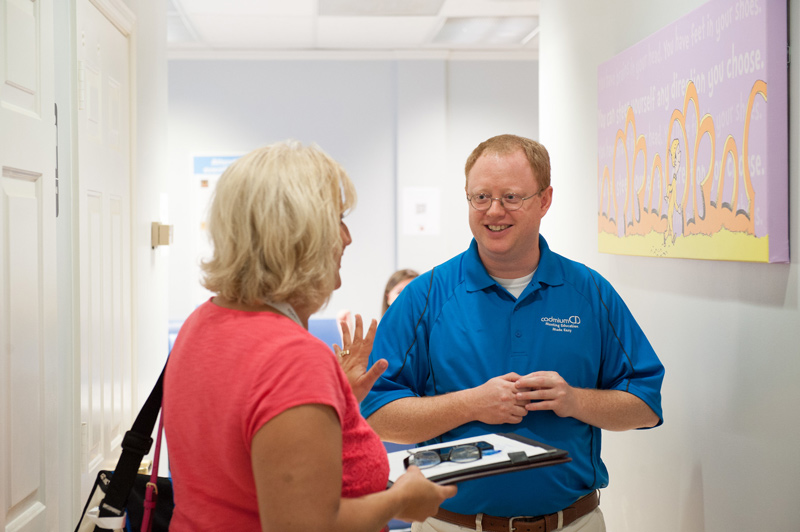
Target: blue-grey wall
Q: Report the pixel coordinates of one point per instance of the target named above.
(392, 124)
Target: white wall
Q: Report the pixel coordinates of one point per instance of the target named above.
(728, 333)
(391, 123)
(232, 107)
(150, 198)
(478, 100)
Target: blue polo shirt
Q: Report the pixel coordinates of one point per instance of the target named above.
(454, 328)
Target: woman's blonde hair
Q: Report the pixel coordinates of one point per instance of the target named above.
(274, 224)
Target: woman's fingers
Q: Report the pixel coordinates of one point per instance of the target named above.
(359, 330)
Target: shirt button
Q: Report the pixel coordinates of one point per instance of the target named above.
(518, 334)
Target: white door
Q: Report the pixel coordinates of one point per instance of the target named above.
(104, 259)
(29, 411)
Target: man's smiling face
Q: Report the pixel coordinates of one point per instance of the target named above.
(508, 241)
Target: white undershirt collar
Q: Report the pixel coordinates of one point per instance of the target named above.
(514, 286)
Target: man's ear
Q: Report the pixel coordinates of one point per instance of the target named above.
(546, 199)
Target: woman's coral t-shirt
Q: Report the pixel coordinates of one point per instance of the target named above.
(229, 373)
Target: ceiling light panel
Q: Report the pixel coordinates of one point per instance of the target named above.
(374, 32)
(513, 30)
(464, 30)
(490, 8)
(379, 8)
(492, 31)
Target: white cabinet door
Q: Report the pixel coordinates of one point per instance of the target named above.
(29, 410)
(104, 210)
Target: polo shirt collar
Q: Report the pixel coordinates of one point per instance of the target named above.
(549, 271)
(476, 277)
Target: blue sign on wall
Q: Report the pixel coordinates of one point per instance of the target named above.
(213, 165)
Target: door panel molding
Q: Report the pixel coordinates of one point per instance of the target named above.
(30, 488)
(104, 176)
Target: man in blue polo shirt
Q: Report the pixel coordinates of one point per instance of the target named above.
(511, 337)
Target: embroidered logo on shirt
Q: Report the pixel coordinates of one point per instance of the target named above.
(562, 324)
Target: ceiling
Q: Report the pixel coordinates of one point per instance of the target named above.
(352, 27)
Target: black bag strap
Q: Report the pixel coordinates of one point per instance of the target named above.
(135, 445)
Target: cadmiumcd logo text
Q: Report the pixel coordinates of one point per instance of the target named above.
(575, 320)
(562, 324)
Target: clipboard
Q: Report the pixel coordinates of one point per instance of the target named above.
(511, 453)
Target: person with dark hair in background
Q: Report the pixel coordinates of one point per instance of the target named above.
(397, 281)
(262, 422)
(395, 285)
(512, 337)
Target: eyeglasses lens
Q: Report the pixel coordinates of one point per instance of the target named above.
(425, 459)
(459, 454)
(465, 453)
(484, 203)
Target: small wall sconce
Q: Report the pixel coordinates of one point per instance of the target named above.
(160, 235)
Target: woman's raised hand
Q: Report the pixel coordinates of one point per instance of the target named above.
(354, 357)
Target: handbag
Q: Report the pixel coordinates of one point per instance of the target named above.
(146, 500)
(150, 504)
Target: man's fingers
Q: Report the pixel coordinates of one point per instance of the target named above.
(517, 419)
(539, 405)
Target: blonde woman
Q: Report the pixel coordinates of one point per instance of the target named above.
(263, 427)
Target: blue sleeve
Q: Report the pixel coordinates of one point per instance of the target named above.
(629, 362)
(403, 341)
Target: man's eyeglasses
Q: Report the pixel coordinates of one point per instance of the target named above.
(459, 454)
(510, 202)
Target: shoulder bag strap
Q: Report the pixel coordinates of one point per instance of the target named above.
(151, 490)
(135, 445)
